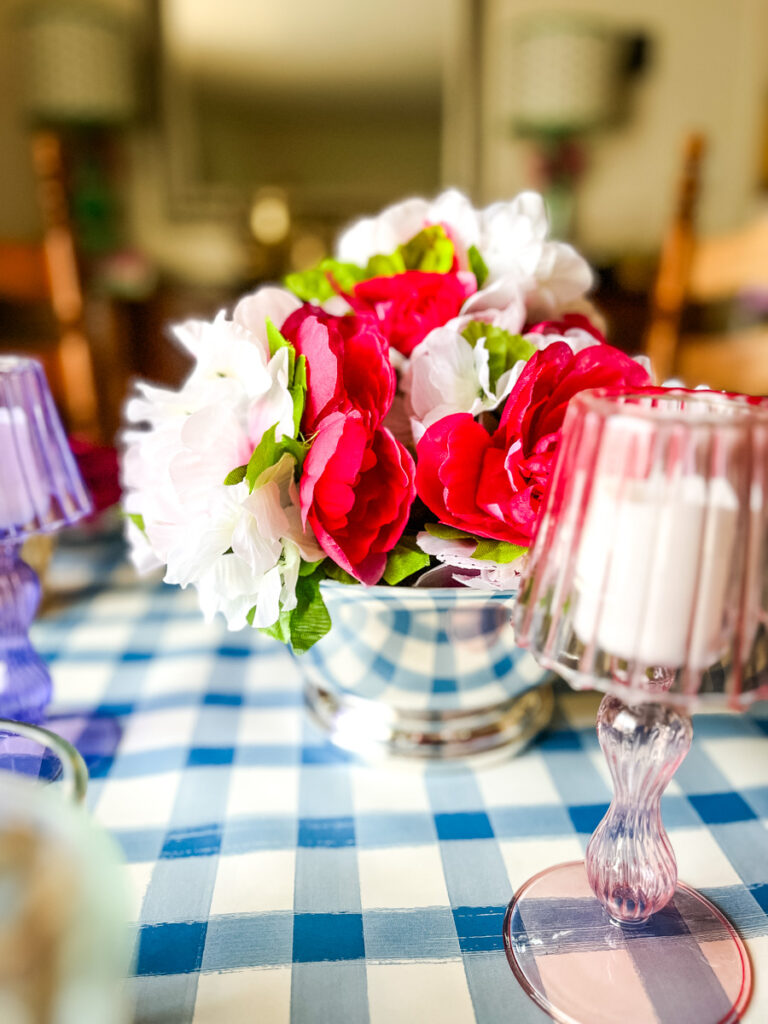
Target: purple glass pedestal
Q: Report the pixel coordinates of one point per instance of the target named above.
(25, 683)
(41, 491)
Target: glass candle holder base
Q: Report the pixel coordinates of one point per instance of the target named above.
(37, 753)
(376, 729)
(686, 963)
(424, 672)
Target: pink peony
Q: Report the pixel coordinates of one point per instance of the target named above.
(409, 305)
(356, 492)
(348, 365)
(492, 484)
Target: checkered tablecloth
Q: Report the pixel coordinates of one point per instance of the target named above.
(275, 878)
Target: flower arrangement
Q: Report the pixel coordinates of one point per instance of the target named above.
(396, 407)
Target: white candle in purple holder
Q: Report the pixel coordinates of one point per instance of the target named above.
(23, 495)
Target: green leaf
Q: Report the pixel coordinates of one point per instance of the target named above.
(298, 391)
(265, 454)
(137, 519)
(275, 339)
(488, 550)
(430, 250)
(403, 561)
(234, 476)
(474, 331)
(280, 629)
(297, 449)
(504, 349)
(276, 342)
(477, 265)
(444, 532)
(341, 277)
(385, 266)
(307, 568)
(300, 373)
(335, 572)
(310, 620)
(325, 280)
(268, 453)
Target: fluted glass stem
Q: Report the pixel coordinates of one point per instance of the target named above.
(630, 863)
(25, 683)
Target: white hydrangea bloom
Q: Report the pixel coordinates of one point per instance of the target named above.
(510, 236)
(516, 250)
(446, 374)
(398, 223)
(241, 549)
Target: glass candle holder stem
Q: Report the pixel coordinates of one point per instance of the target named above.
(630, 863)
(25, 683)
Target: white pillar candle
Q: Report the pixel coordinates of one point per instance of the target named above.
(23, 496)
(652, 569)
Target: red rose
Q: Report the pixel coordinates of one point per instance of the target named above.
(492, 485)
(348, 364)
(356, 492)
(455, 458)
(409, 305)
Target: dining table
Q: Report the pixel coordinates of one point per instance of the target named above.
(272, 876)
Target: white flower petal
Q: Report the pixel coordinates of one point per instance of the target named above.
(441, 372)
(268, 600)
(382, 234)
(212, 443)
(195, 551)
(562, 277)
(501, 303)
(274, 407)
(290, 577)
(229, 587)
(270, 303)
(257, 536)
(142, 555)
(481, 574)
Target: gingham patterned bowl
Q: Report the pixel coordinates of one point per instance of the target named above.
(430, 672)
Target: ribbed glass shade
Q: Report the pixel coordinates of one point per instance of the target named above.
(649, 574)
(78, 62)
(41, 488)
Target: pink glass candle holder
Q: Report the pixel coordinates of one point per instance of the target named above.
(648, 579)
(40, 491)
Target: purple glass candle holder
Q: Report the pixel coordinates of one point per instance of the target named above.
(41, 490)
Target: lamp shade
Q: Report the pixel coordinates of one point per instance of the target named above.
(648, 577)
(41, 488)
(78, 62)
(567, 75)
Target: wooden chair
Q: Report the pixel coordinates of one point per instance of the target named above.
(708, 270)
(43, 300)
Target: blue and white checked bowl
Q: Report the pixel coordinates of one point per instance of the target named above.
(432, 672)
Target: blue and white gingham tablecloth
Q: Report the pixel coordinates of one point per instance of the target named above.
(277, 879)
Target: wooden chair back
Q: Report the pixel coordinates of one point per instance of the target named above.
(46, 275)
(704, 270)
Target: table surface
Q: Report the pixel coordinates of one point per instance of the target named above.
(274, 877)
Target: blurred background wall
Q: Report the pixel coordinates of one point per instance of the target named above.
(253, 130)
(706, 69)
(348, 105)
